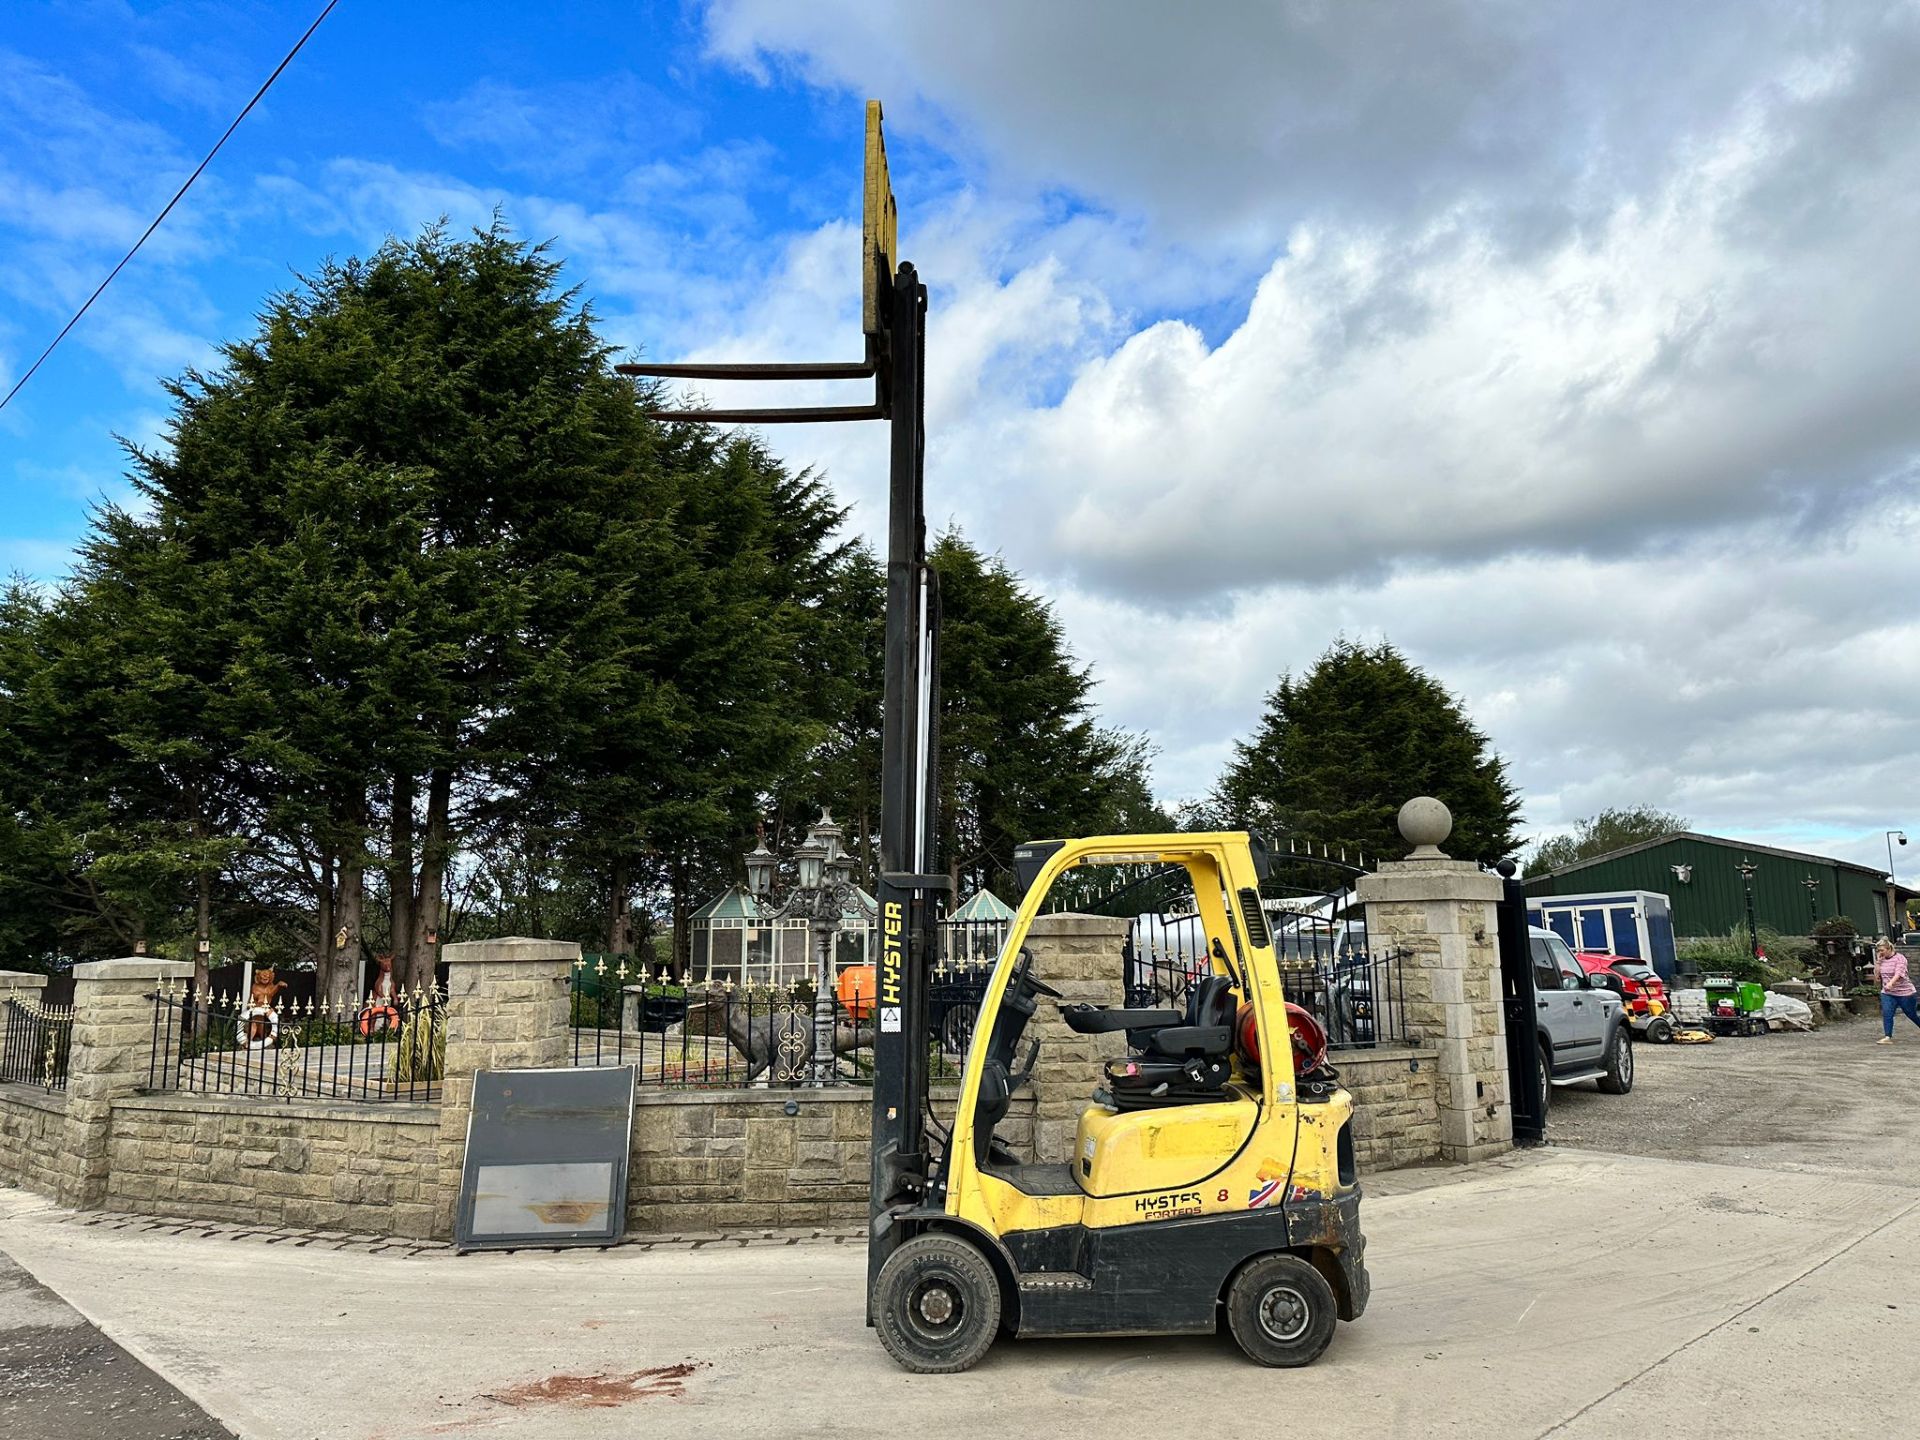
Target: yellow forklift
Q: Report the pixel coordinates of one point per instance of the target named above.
(1208, 1181)
(1212, 1176)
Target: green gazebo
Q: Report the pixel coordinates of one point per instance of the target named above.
(736, 937)
(976, 933)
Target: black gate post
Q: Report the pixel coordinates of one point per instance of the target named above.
(1524, 1077)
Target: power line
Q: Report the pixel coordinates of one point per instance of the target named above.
(265, 86)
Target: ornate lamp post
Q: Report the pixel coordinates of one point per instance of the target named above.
(1893, 884)
(1746, 869)
(823, 893)
(1813, 903)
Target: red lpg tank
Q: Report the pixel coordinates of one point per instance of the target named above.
(1309, 1039)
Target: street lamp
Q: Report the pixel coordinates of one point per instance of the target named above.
(823, 894)
(1813, 902)
(1746, 869)
(760, 867)
(1893, 883)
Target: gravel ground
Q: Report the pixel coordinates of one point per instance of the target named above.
(1830, 1100)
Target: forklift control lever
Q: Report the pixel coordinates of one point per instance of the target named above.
(1026, 1070)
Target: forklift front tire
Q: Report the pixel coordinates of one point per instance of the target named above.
(1281, 1311)
(936, 1305)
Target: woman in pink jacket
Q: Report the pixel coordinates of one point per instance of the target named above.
(1896, 989)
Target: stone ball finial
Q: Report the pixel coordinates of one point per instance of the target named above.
(1424, 823)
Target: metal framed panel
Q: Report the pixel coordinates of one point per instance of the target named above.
(546, 1162)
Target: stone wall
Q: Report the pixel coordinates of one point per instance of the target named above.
(33, 1131)
(1080, 956)
(725, 1160)
(700, 1161)
(734, 1159)
(369, 1169)
(1396, 1115)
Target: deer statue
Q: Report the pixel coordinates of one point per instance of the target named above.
(764, 1030)
(379, 1014)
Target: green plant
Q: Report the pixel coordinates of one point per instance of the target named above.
(319, 1030)
(1731, 954)
(421, 1050)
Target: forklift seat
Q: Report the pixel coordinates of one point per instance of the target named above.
(1183, 1058)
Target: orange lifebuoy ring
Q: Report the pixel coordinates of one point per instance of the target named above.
(385, 1017)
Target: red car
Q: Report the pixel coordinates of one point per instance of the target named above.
(1640, 988)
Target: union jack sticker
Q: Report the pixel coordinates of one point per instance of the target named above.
(1264, 1195)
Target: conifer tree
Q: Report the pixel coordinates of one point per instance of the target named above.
(1341, 748)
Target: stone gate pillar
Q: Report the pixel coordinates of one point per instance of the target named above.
(1439, 914)
(1080, 956)
(111, 1056)
(19, 985)
(506, 1010)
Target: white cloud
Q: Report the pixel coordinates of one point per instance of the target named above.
(1759, 689)
(1576, 358)
(1569, 348)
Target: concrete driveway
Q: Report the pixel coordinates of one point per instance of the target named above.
(1559, 1292)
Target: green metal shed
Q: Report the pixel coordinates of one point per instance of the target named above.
(1700, 875)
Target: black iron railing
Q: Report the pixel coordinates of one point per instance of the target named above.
(389, 1047)
(1359, 997)
(36, 1042)
(724, 1036)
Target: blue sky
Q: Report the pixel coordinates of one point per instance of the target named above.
(1569, 349)
(607, 109)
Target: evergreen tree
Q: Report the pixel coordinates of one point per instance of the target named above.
(1340, 749)
(427, 624)
(401, 486)
(841, 773)
(712, 681)
(1022, 756)
(1611, 829)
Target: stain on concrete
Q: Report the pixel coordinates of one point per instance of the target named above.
(662, 1382)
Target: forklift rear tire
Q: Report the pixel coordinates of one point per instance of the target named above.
(1281, 1311)
(936, 1305)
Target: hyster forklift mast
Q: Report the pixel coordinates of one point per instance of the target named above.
(909, 792)
(893, 316)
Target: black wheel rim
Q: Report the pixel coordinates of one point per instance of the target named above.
(1284, 1314)
(936, 1308)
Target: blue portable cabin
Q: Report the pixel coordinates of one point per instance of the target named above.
(1633, 924)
